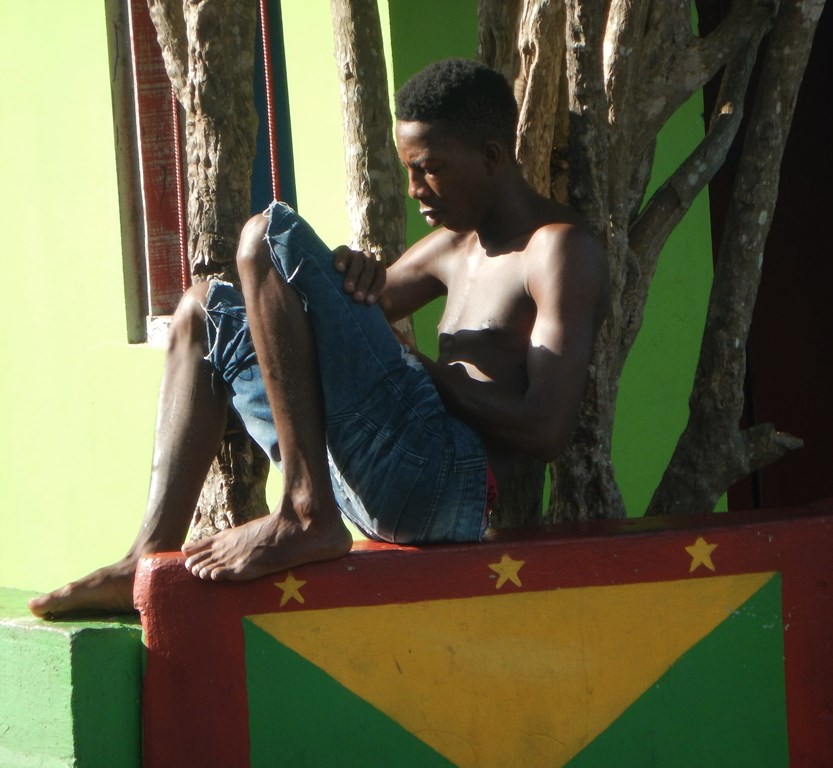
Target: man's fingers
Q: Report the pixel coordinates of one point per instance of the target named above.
(352, 278)
(341, 257)
(378, 282)
(364, 274)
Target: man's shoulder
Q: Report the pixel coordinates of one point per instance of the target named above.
(437, 241)
(430, 252)
(564, 254)
(565, 236)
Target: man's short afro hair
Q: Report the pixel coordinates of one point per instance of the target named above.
(473, 100)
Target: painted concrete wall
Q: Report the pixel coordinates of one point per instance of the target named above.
(703, 644)
(79, 406)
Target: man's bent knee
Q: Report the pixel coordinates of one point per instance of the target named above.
(188, 323)
(252, 251)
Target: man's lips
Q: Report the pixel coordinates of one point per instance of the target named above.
(431, 214)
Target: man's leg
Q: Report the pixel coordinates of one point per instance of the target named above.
(190, 423)
(307, 525)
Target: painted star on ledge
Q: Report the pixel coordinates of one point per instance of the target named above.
(507, 570)
(291, 588)
(701, 554)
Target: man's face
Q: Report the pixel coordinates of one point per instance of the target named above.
(446, 176)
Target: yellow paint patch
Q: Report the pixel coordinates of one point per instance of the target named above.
(512, 679)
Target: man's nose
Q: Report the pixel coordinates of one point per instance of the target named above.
(416, 185)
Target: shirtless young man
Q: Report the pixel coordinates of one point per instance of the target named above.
(404, 446)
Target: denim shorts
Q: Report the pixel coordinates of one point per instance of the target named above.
(403, 470)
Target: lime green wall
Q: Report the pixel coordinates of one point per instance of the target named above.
(79, 406)
(315, 112)
(78, 402)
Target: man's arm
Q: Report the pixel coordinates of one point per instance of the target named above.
(413, 280)
(567, 278)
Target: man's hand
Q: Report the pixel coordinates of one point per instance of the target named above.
(364, 274)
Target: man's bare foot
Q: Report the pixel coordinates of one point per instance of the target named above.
(265, 545)
(107, 590)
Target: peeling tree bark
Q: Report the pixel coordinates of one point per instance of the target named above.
(208, 49)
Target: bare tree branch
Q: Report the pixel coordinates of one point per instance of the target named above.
(497, 33)
(541, 45)
(374, 188)
(717, 400)
(679, 63)
(208, 48)
(672, 200)
(588, 112)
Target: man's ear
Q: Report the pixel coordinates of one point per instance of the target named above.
(494, 153)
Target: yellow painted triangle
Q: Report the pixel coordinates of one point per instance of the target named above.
(512, 679)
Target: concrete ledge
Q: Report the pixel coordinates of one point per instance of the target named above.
(694, 642)
(70, 691)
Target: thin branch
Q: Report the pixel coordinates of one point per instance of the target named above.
(588, 149)
(763, 445)
(374, 193)
(672, 200)
(716, 400)
(541, 46)
(676, 69)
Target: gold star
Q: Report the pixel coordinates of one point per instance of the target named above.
(701, 554)
(291, 588)
(507, 569)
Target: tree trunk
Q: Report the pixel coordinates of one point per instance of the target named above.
(532, 66)
(713, 452)
(375, 201)
(208, 49)
(374, 183)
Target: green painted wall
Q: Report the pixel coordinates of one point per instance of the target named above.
(79, 408)
(652, 408)
(70, 692)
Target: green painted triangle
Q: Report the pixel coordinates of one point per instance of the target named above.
(300, 716)
(721, 704)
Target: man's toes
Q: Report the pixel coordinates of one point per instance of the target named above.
(221, 573)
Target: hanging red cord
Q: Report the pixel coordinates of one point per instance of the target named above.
(270, 99)
(185, 267)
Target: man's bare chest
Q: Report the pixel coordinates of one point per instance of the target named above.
(488, 295)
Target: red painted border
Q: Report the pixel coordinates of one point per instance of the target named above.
(195, 676)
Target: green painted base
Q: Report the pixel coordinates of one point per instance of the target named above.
(69, 690)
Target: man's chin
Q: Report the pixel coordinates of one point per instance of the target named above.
(433, 220)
